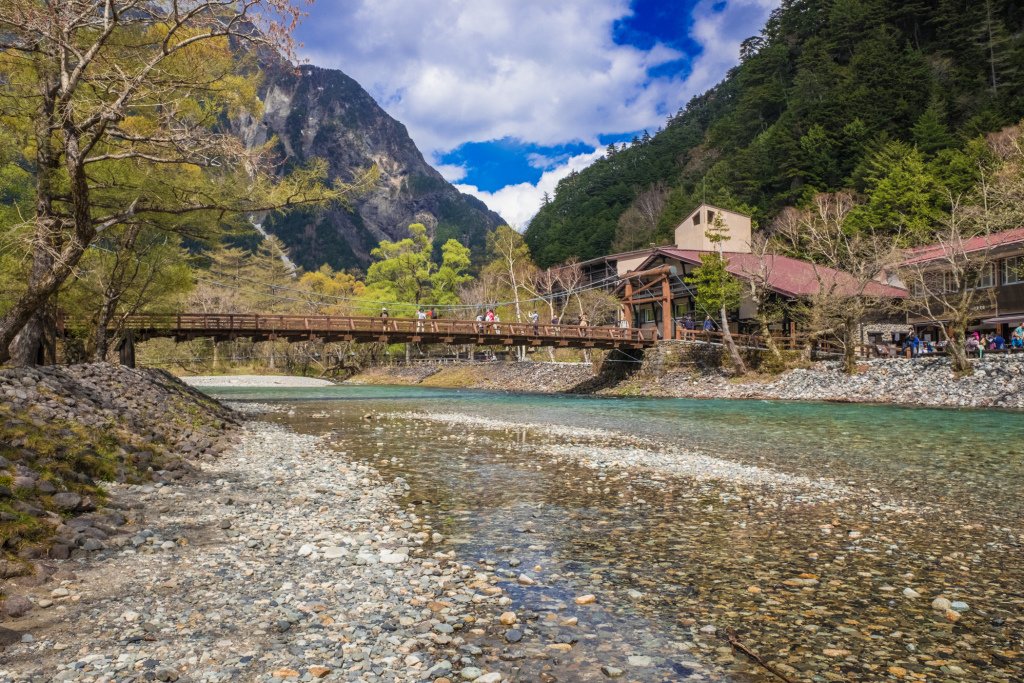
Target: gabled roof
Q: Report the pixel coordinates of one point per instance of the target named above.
(618, 257)
(787, 276)
(716, 208)
(934, 252)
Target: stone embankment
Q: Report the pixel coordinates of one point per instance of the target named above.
(680, 371)
(537, 377)
(997, 381)
(65, 430)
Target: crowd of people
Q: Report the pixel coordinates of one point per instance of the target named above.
(976, 343)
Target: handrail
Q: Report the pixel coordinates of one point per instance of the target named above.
(241, 323)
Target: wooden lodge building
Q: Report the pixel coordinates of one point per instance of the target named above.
(1001, 307)
(656, 294)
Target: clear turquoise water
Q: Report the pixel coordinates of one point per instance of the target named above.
(978, 452)
(951, 481)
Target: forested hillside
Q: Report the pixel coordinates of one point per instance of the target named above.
(879, 96)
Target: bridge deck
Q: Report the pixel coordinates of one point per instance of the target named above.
(261, 327)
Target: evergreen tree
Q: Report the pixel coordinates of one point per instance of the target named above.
(930, 133)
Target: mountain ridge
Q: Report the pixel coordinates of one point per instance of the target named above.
(319, 112)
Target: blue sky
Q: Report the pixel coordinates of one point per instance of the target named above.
(506, 98)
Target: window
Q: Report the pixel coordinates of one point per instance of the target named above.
(682, 308)
(986, 278)
(1013, 270)
(711, 217)
(648, 314)
(696, 218)
(952, 286)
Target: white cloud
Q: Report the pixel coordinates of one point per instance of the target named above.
(518, 203)
(539, 71)
(453, 173)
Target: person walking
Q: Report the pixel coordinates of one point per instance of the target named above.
(1017, 338)
(421, 315)
(535, 320)
(384, 318)
(708, 323)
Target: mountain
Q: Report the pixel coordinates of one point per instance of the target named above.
(318, 112)
(817, 103)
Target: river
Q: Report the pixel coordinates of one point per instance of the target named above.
(815, 536)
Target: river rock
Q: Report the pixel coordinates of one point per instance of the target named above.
(67, 500)
(15, 606)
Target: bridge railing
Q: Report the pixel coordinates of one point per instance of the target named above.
(258, 323)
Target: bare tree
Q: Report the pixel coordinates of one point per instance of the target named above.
(638, 224)
(769, 309)
(950, 280)
(848, 267)
(121, 103)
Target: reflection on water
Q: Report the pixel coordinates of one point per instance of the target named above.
(816, 587)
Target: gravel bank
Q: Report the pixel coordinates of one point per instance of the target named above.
(284, 561)
(257, 381)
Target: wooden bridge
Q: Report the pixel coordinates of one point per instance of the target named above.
(329, 328)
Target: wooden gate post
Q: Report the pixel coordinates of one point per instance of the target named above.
(666, 311)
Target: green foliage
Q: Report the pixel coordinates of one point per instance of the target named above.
(903, 196)
(451, 274)
(715, 286)
(817, 96)
(402, 269)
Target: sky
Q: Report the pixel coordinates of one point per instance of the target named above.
(507, 97)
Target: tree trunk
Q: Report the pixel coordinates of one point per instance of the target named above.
(22, 328)
(102, 337)
(957, 350)
(850, 347)
(734, 353)
(769, 342)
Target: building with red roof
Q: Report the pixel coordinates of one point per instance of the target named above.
(672, 300)
(1000, 307)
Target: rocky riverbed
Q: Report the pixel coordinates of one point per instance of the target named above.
(284, 561)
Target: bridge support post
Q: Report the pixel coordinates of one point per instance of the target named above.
(126, 349)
